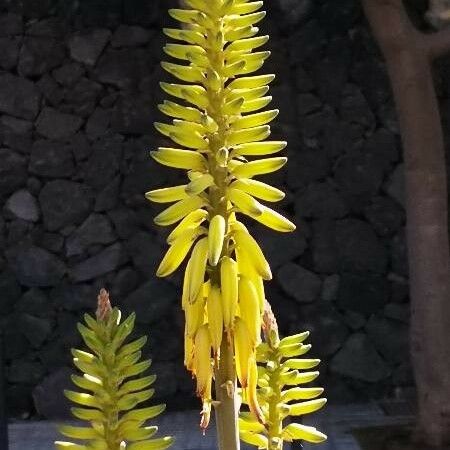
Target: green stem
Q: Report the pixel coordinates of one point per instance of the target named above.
(228, 409)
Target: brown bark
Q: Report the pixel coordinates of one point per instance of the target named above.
(408, 55)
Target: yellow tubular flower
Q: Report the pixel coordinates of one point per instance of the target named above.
(219, 128)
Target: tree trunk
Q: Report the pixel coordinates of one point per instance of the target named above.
(409, 55)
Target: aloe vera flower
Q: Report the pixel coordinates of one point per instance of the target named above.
(219, 126)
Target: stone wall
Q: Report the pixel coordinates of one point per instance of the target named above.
(78, 95)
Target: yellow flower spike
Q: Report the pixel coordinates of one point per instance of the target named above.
(179, 211)
(178, 251)
(274, 220)
(183, 73)
(249, 307)
(202, 362)
(190, 36)
(198, 268)
(243, 349)
(179, 159)
(205, 415)
(250, 82)
(167, 195)
(216, 237)
(249, 246)
(249, 134)
(255, 105)
(258, 189)
(193, 219)
(259, 148)
(245, 203)
(255, 120)
(251, 391)
(189, 351)
(229, 284)
(200, 184)
(259, 167)
(247, 94)
(194, 314)
(177, 111)
(218, 122)
(215, 318)
(247, 44)
(272, 377)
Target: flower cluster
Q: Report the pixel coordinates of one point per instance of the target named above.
(111, 387)
(219, 128)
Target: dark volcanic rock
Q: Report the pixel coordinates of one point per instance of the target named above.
(82, 97)
(108, 197)
(359, 248)
(125, 281)
(87, 46)
(325, 246)
(98, 124)
(24, 371)
(103, 163)
(145, 252)
(385, 215)
(132, 114)
(16, 133)
(52, 27)
(54, 124)
(13, 172)
(68, 74)
(35, 329)
(328, 330)
(96, 229)
(358, 359)
(102, 263)
(363, 293)
(36, 267)
(124, 68)
(50, 90)
(125, 222)
(34, 302)
(299, 283)
(10, 289)
(306, 166)
(355, 109)
(151, 301)
(399, 254)
(320, 201)
(74, 297)
(142, 13)
(23, 205)
(395, 186)
(39, 55)
(391, 339)
(51, 159)
(18, 97)
(283, 248)
(47, 396)
(64, 203)
(10, 24)
(10, 52)
(130, 36)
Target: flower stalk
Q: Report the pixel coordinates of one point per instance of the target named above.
(219, 130)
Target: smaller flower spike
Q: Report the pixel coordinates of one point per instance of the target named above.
(276, 397)
(111, 387)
